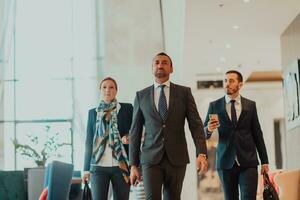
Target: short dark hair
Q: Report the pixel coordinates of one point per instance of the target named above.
(111, 79)
(164, 54)
(239, 75)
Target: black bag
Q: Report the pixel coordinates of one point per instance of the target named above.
(269, 192)
(87, 194)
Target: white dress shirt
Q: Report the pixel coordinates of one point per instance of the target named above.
(238, 109)
(237, 105)
(157, 92)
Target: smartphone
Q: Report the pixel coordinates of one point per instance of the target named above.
(214, 117)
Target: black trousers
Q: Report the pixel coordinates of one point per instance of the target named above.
(163, 174)
(245, 178)
(100, 179)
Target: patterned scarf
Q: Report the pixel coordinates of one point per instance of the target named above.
(107, 130)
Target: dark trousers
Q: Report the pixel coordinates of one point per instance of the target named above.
(100, 179)
(245, 178)
(163, 174)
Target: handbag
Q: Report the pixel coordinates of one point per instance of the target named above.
(269, 192)
(87, 193)
(140, 191)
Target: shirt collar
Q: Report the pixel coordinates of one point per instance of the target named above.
(238, 99)
(167, 83)
(118, 107)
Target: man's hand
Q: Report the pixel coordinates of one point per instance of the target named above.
(213, 123)
(264, 168)
(201, 164)
(125, 139)
(135, 176)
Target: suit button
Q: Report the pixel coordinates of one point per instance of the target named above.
(164, 126)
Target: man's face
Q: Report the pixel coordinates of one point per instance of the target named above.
(161, 67)
(232, 85)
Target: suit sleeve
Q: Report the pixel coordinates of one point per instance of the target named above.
(130, 112)
(125, 122)
(135, 134)
(206, 132)
(195, 125)
(258, 138)
(89, 141)
(125, 119)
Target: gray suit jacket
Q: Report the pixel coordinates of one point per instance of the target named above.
(168, 136)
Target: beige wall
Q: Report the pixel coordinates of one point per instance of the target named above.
(131, 35)
(290, 51)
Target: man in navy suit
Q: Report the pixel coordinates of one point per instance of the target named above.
(162, 109)
(240, 138)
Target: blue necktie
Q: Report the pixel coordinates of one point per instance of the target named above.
(162, 104)
(233, 113)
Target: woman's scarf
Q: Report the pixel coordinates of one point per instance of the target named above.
(107, 130)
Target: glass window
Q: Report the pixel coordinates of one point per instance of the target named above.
(7, 110)
(43, 39)
(8, 150)
(37, 101)
(43, 99)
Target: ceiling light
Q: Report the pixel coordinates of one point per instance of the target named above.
(222, 59)
(235, 27)
(228, 46)
(246, 1)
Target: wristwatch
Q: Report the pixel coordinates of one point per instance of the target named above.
(203, 155)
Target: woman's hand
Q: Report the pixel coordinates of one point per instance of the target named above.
(125, 139)
(86, 177)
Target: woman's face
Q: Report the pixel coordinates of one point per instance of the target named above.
(108, 91)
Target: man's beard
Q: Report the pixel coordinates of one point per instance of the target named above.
(160, 74)
(231, 91)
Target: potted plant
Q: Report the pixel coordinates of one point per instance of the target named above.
(48, 148)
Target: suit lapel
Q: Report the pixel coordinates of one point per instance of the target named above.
(244, 109)
(224, 111)
(171, 98)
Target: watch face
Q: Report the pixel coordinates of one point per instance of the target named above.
(204, 156)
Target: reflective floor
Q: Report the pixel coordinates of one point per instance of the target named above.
(209, 186)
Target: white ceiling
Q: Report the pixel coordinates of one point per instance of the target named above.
(255, 46)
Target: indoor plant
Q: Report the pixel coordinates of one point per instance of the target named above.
(40, 150)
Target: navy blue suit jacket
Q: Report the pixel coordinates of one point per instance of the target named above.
(124, 124)
(241, 142)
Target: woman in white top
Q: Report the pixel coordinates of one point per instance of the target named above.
(106, 146)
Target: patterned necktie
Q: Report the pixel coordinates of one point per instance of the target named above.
(162, 104)
(233, 113)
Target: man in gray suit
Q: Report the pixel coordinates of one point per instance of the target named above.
(162, 109)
